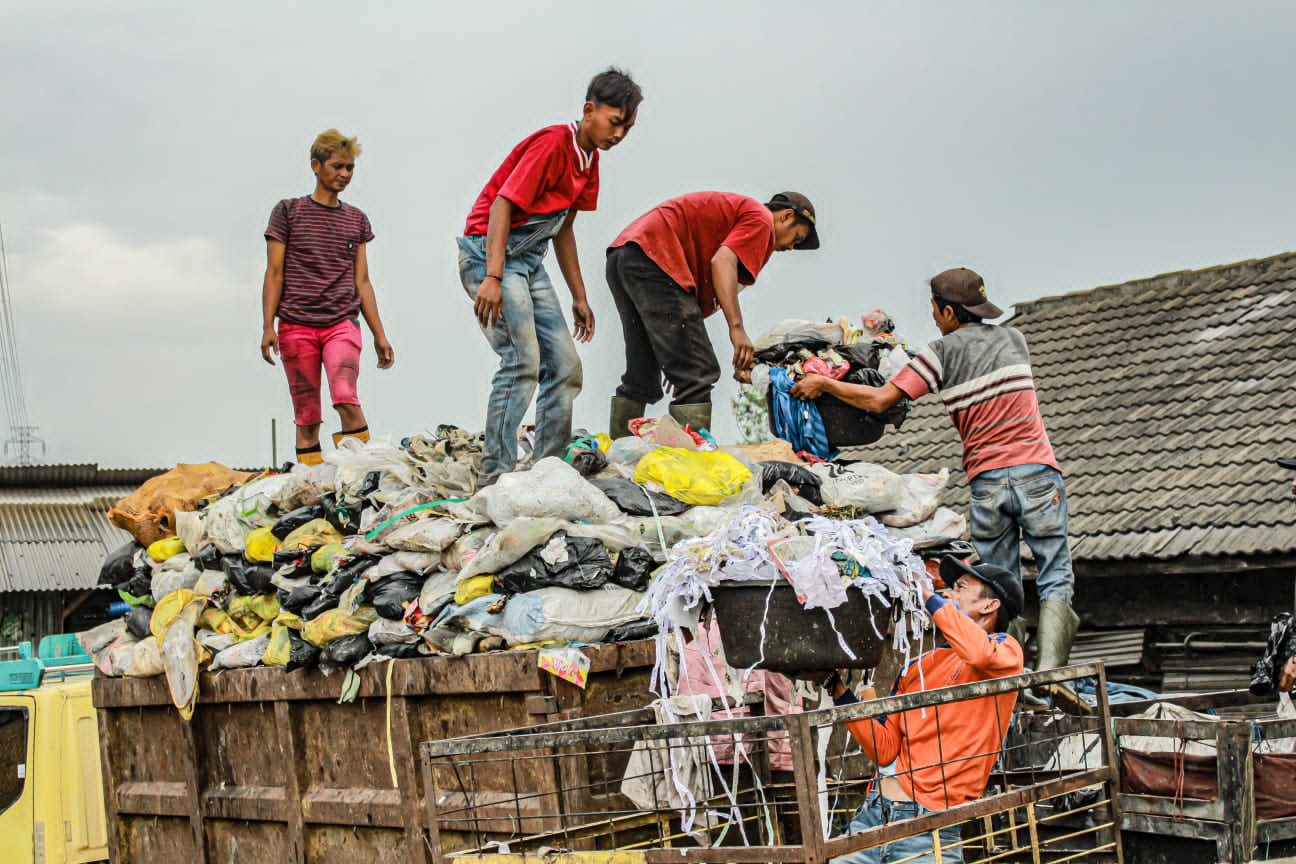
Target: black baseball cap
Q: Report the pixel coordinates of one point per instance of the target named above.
(1005, 584)
(966, 288)
(799, 204)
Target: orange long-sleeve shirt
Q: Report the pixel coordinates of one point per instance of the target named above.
(944, 754)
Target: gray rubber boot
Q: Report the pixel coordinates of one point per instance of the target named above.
(1058, 623)
(623, 411)
(697, 415)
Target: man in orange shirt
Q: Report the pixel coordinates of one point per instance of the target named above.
(942, 755)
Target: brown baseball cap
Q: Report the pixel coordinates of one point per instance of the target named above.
(967, 289)
(799, 204)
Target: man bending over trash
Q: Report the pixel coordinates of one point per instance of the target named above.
(317, 285)
(943, 755)
(673, 267)
(982, 372)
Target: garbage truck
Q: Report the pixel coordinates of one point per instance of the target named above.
(51, 793)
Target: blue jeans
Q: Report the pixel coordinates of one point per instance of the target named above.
(878, 810)
(1024, 502)
(533, 343)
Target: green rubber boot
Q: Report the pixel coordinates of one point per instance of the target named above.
(696, 415)
(623, 411)
(1058, 623)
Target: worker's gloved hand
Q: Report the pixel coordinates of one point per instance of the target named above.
(744, 351)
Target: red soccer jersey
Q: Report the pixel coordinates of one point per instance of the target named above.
(546, 173)
(682, 235)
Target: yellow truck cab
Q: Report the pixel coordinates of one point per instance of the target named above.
(51, 794)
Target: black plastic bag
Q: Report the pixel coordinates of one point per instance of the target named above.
(294, 519)
(137, 621)
(299, 598)
(388, 594)
(587, 458)
(321, 604)
(803, 481)
(344, 517)
(299, 560)
(633, 631)
(208, 558)
(587, 566)
(301, 654)
(1281, 646)
(346, 651)
(896, 414)
(346, 575)
(246, 578)
(634, 568)
(633, 500)
(862, 354)
(119, 566)
(399, 650)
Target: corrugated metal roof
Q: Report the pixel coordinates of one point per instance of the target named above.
(1167, 401)
(1113, 647)
(55, 537)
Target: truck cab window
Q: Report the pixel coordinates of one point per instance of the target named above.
(13, 755)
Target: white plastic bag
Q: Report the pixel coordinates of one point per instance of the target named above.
(189, 528)
(241, 655)
(418, 562)
(385, 632)
(919, 500)
(93, 640)
(627, 451)
(551, 488)
(796, 330)
(944, 525)
(511, 543)
(145, 659)
(224, 528)
(432, 534)
(438, 592)
(871, 488)
(305, 485)
(549, 614)
(891, 362)
(166, 580)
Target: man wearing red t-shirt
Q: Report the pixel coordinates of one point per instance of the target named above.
(532, 197)
(982, 373)
(317, 285)
(675, 266)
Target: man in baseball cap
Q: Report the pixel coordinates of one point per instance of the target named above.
(983, 374)
(676, 265)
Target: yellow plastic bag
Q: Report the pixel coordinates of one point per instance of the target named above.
(161, 550)
(694, 477)
(323, 557)
(279, 650)
(473, 587)
(253, 614)
(261, 545)
(170, 606)
(317, 532)
(327, 626)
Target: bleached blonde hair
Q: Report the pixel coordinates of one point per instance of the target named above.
(331, 141)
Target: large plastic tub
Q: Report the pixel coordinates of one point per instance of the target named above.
(844, 425)
(797, 639)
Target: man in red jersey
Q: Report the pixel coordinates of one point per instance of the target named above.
(532, 197)
(675, 266)
(317, 284)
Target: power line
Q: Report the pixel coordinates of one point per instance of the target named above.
(23, 442)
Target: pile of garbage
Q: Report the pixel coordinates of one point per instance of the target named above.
(388, 550)
(794, 348)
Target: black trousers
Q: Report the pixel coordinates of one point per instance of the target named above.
(663, 329)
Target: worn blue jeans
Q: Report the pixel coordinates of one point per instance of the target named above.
(534, 346)
(878, 810)
(1024, 502)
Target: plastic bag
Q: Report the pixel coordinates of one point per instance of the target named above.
(432, 534)
(324, 558)
(803, 481)
(664, 431)
(304, 486)
(634, 568)
(385, 632)
(260, 545)
(869, 487)
(117, 657)
(208, 557)
(473, 587)
(167, 581)
(137, 621)
(189, 529)
(119, 566)
(161, 550)
(693, 477)
(255, 500)
(509, 544)
(315, 533)
(224, 528)
(145, 659)
(580, 563)
(891, 362)
(390, 596)
(456, 557)
(791, 334)
(919, 500)
(247, 578)
(148, 513)
(586, 457)
(944, 526)
(92, 641)
(334, 623)
(299, 598)
(551, 488)
(294, 519)
(418, 562)
(346, 651)
(628, 451)
(634, 631)
(241, 655)
(288, 649)
(548, 614)
(181, 653)
(631, 498)
(437, 592)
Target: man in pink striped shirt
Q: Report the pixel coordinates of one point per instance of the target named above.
(982, 373)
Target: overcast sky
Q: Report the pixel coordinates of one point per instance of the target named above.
(1052, 147)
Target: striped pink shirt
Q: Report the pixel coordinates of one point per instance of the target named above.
(982, 373)
(322, 242)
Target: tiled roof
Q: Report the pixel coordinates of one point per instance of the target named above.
(1167, 401)
(54, 528)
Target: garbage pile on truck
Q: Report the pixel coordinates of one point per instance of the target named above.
(388, 550)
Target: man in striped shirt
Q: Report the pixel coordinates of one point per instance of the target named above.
(317, 285)
(982, 372)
